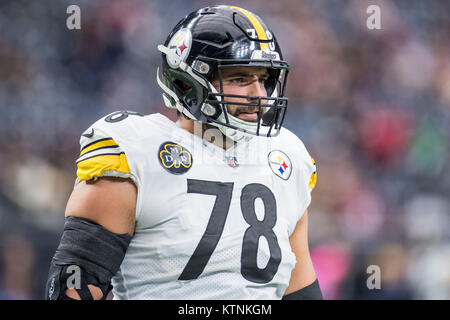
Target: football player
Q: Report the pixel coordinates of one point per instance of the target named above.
(213, 206)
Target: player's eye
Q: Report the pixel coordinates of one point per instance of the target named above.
(246, 80)
(263, 78)
(242, 81)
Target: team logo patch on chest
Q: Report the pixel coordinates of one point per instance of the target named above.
(174, 158)
(280, 164)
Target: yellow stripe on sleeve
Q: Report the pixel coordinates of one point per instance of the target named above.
(257, 25)
(108, 142)
(313, 178)
(97, 165)
(312, 181)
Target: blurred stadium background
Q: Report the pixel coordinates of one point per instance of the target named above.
(372, 107)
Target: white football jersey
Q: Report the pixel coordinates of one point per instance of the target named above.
(210, 223)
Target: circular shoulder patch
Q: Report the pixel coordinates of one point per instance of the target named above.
(174, 158)
(280, 164)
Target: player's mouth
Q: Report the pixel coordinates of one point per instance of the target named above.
(248, 116)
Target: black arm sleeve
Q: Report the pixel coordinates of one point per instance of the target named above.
(311, 292)
(87, 254)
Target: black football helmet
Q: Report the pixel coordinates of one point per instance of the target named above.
(204, 43)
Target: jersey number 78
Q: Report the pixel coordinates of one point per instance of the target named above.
(257, 228)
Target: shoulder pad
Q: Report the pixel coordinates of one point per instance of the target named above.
(100, 155)
(308, 163)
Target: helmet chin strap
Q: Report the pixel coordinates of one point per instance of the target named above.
(234, 134)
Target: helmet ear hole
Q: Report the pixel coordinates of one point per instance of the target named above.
(190, 92)
(186, 87)
(181, 86)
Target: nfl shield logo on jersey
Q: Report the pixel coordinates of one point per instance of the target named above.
(280, 164)
(232, 162)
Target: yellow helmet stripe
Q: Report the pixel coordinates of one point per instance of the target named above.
(257, 25)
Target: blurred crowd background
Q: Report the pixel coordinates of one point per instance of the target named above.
(372, 107)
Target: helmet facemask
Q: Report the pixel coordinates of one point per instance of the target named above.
(203, 96)
(270, 109)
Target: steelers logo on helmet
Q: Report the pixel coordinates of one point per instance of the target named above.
(181, 44)
(174, 158)
(280, 164)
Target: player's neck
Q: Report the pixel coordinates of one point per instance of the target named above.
(205, 131)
